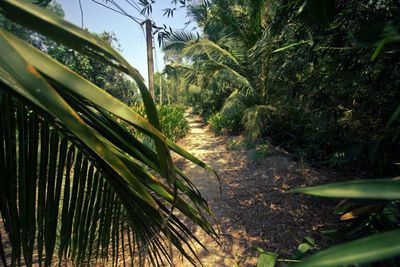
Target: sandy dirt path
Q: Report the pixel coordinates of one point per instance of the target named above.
(253, 209)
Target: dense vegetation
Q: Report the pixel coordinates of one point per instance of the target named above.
(83, 174)
(319, 78)
(272, 69)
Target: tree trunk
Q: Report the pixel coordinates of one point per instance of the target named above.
(161, 90)
(150, 62)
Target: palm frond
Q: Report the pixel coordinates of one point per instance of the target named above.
(231, 74)
(235, 46)
(186, 73)
(178, 40)
(77, 183)
(235, 103)
(255, 120)
(198, 13)
(210, 48)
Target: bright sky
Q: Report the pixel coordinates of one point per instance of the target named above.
(130, 35)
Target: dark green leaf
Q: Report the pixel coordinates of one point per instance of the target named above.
(361, 251)
(368, 189)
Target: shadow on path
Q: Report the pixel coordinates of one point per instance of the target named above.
(253, 208)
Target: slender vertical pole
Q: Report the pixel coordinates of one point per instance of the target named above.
(161, 88)
(150, 62)
(168, 90)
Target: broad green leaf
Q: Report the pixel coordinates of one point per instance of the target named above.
(304, 247)
(62, 31)
(378, 36)
(266, 260)
(80, 86)
(42, 94)
(361, 251)
(368, 189)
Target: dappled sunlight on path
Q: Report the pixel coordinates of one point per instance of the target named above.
(253, 208)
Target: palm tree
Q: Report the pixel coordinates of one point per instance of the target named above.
(75, 183)
(228, 53)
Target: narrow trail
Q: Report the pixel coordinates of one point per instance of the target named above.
(253, 209)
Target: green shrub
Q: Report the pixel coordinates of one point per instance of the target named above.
(216, 123)
(224, 122)
(173, 122)
(233, 144)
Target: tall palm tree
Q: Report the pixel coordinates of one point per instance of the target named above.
(75, 183)
(228, 52)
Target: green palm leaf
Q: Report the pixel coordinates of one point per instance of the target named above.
(360, 251)
(367, 189)
(74, 181)
(208, 47)
(255, 119)
(364, 250)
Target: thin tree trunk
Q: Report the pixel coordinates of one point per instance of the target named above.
(161, 90)
(168, 97)
(150, 61)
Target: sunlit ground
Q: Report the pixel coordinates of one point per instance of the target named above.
(253, 209)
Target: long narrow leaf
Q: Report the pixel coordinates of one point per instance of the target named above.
(361, 251)
(368, 189)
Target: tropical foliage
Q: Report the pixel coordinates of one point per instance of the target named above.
(274, 69)
(76, 185)
(173, 122)
(86, 178)
(319, 78)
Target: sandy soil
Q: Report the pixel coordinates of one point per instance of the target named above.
(254, 208)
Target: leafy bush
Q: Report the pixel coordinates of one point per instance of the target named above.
(205, 102)
(258, 150)
(222, 124)
(173, 122)
(228, 120)
(216, 123)
(372, 223)
(239, 142)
